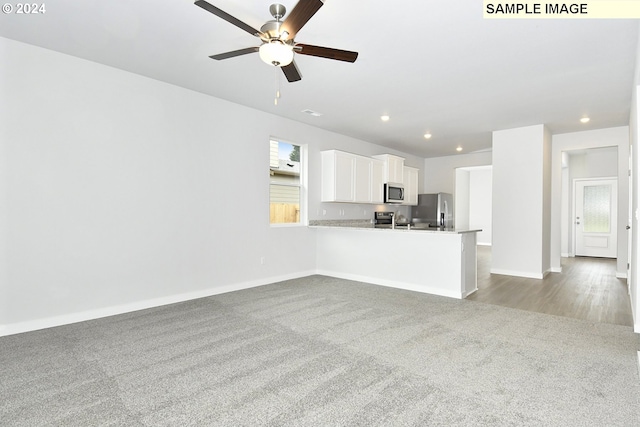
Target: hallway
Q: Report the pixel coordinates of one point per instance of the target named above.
(587, 289)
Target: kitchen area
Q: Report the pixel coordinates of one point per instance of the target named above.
(410, 242)
(433, 211)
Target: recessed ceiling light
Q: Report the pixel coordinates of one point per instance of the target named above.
(585, 120)
(459, 148)
(384, 118)
(427, 135)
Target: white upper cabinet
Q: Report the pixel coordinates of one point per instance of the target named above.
(393, 168)
(351, 178)
(410, 186)
(377, 181)
(338, 176)
(362, 183)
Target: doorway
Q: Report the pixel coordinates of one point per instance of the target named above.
(596, 211)
(584, 165)
(473, 201)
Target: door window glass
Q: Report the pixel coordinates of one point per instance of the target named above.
(597, 208)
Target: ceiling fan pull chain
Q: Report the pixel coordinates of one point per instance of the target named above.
(275, 101)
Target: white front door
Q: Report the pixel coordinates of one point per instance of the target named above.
(596, 213)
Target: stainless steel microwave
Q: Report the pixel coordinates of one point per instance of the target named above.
(393, 193)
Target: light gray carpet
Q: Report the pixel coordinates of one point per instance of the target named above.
(322, 352)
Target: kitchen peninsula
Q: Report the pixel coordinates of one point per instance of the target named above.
(433, 261)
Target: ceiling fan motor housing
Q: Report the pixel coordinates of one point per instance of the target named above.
(271, 29)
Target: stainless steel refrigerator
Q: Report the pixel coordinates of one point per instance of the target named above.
(433, 209)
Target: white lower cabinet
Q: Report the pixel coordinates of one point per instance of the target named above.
(351, 178)
(410, 186)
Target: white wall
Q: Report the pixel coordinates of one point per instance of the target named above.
(119, 192)
(440, 172)
(461, 198)
(546, 201)
(473, 201)
(634, 289)
(565, 214)
(611, 137)
(593, 163)
(634, 260)
(519, 201)
(480, 203)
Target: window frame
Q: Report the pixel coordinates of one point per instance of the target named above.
(302, 186)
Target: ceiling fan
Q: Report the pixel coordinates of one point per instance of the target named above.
(278, 44)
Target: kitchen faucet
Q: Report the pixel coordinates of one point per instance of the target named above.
(393, 220)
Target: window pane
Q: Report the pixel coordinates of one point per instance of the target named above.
(597, 208)
(284, 189)
(285, 204)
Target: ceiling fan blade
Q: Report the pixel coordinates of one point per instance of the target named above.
(291, 72)
(326, 52)
(301, 13)
(230, 19)
(234, 53)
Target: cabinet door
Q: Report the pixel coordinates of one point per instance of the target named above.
(396, 169)
(393, 167)
(362, 184)
(344, 176)
(337, 176)
(410, 186)
(377, 181)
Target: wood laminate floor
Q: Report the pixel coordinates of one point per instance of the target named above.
(586, 289)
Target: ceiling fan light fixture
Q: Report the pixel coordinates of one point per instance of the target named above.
(276, 53)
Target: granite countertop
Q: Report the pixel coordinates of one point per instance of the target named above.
(368, 225)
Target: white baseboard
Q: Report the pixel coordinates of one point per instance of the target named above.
(483, 244)
(565, 255)
(621, 275)
(66, 319)
(526, 274)
(555, 269)
(636, 321)
(466, 294)
(392, 284)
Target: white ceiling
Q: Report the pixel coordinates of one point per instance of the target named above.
(433, 66)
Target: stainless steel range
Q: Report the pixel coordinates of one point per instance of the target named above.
(386, 220)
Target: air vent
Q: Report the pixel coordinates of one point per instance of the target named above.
(312, 113)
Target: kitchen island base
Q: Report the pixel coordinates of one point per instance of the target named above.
(434, 262)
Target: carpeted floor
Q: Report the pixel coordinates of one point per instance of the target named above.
(321, 351)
